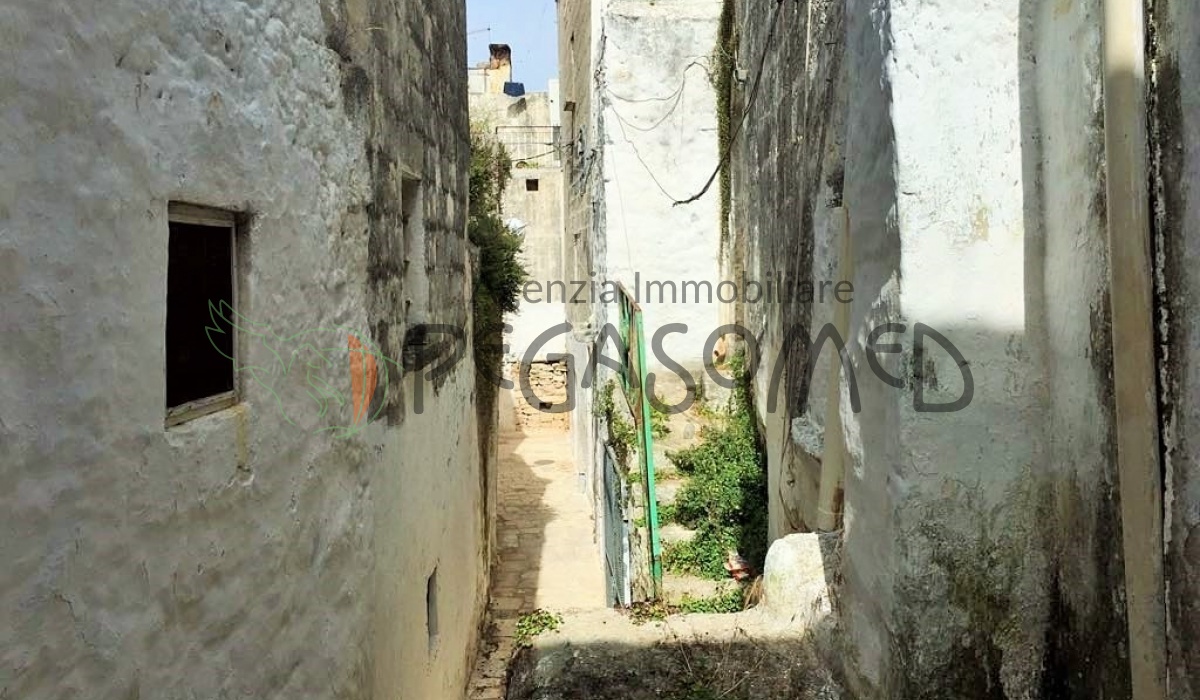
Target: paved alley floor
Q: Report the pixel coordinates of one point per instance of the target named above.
(546, 556)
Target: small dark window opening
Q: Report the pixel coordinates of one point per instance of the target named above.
(413, 220)
(200, 270)
(416, 259)
(531, 185)
(431, 609)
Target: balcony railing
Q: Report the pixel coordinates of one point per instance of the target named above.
(531, 146)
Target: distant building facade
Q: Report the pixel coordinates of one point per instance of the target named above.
(528, 127)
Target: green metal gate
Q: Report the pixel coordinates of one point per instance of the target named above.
(633, 382)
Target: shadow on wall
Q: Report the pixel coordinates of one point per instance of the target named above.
(1068, 324)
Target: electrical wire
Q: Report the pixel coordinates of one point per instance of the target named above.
(637, 154)
(677, 96)
(540, 155)
(762, 63)
(673, 95)
(622, 122)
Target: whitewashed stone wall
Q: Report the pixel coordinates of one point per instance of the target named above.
(235, 555)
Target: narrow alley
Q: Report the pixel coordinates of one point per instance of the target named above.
(600, 350)
(547, 557)
(551, 632)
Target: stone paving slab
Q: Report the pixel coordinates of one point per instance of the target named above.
(546, 555)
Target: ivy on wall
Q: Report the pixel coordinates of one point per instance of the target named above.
(725, 62)
(499, 274)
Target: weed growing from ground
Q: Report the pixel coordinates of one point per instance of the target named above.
(650, 611)
(731, 601)
(725, 501)
(535, 623)
(658, 422)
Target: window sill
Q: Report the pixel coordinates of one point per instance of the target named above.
(198, 409)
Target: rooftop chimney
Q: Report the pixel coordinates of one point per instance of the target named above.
(501, 56)
(499, 67)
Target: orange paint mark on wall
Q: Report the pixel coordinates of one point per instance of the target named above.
(363, 375)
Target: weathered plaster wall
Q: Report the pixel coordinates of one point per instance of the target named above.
(660, 146)
(1176, 49)
(237, 555)
(961, 143)
(1067, 318)
(531, 109)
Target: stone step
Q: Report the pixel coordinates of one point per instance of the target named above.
(667, 490)
(676, 587)
(674, 532)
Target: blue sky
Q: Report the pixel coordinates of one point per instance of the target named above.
(528, 26)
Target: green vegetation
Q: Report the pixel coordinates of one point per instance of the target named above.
(535, 623)
(622, 435)
(725, 501)
(650, 611)
(731, 601)
(700, 556)
(724, 62)
(702, 407)
(658, 422)
(499, 274)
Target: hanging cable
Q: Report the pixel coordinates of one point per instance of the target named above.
(677, 96)
(700, 61)
(762, 63)
(637, 154)
(540, 155)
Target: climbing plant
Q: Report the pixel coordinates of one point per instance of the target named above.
(724, 63)
(622, 435)
(499, 273)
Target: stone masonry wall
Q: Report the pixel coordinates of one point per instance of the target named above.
(548, 383)
(248, 553)
(1176, 51)
(579, 35)
(960, 143)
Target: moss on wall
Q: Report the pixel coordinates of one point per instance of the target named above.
(724, 61)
